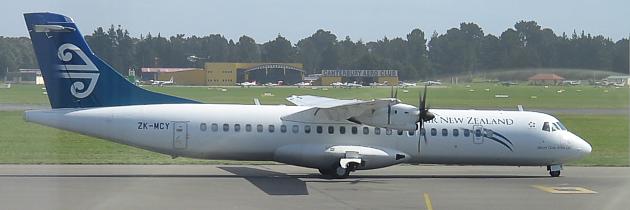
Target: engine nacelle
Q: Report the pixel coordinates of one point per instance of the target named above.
(326, 156)
(401, 117)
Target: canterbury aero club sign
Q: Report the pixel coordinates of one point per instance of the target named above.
(360, 73)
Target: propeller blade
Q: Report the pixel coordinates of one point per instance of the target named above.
(424, 98)
(389, 114)
(421, 135)
(391, 92)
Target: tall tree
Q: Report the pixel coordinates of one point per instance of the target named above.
(247, 50)
(278, 50)
(311, 49)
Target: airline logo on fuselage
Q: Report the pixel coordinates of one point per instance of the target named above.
(80, 74)
(473, 120)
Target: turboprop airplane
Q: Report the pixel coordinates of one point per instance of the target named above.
(246, 84)
(162, 83)
(335, 136)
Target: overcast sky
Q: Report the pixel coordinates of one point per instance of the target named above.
(368, 20)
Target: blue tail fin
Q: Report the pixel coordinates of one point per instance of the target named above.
(74, 76)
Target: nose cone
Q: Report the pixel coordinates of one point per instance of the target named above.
(587, 147)
(583, 146)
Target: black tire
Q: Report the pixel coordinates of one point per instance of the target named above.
(325, 172)
(341, 173)
(554, 173)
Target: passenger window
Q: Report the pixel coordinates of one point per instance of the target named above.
(366, 130)
(331, 129)
(423, 132)
(295, 128)
(226, 127)
(259, 128)
(400, 132)
(203, 127)
(214, 127)
(444, 132)
(272, 128)
(388, 131)
(377, 131)
(237, 127)
(248, 127)
(342, 129)
(433, 132)
(320, 129)
(466, 132)
(307, 129)
(411, 133)
(283, 128)
(354, 130)
(455, 132)
(478, 132)
(545, 126)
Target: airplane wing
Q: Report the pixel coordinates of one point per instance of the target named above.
(329, 110)
(318, 101)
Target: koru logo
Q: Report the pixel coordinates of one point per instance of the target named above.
(80, 74)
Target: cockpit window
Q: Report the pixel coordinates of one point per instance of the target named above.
(555, 127)
(545, 126)
(561, 126)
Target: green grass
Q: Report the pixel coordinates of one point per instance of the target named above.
(608, 135)
(29, 143)
(483, 95)
(23, 94)
(459, 96)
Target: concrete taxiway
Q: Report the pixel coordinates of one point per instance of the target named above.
(289, 187)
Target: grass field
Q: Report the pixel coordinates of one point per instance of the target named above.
(29, 143)
(461, 96)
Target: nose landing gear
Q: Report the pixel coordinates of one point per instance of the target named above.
(554, 170)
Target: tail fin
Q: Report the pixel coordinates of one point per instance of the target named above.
(74, 76)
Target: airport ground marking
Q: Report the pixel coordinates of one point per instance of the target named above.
(564, 190)
(427, 201)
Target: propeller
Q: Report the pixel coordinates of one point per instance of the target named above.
(423, 114)
(393, 95)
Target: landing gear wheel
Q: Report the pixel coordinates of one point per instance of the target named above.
(325, 172)
(554, 173)
(341, 173)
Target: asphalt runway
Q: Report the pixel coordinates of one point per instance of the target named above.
(289, 187)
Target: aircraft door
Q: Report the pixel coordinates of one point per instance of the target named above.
(477, 134)
(180, 135)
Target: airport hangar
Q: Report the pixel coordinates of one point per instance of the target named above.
(228, 74)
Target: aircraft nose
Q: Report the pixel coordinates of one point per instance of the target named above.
(584, 147)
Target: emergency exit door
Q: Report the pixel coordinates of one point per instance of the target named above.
(478, 134)
(180, 135)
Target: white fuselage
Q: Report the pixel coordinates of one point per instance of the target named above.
(214, 131)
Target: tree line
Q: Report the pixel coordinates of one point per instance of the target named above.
(463, 50)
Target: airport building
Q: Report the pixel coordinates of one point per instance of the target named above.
(181, 76)
(364, 77)
(227, 74)
(221, 74)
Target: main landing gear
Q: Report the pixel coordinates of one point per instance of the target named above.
(339, 172)
(554, 170)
